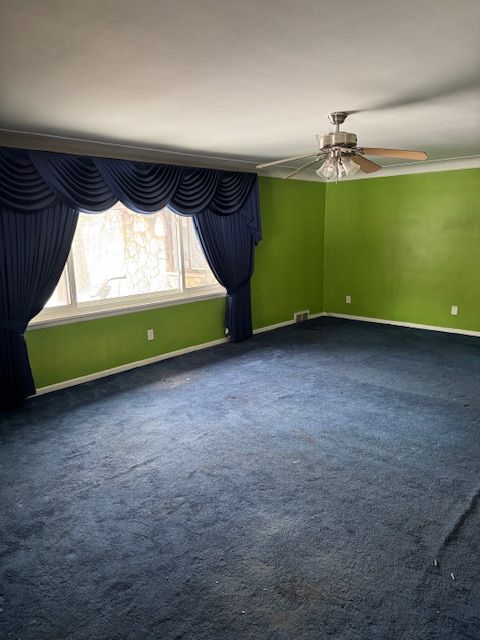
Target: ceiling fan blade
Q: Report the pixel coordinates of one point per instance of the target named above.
(395, 153)
(367, 166)
(467, 81)
(284, 161)
(304, 166)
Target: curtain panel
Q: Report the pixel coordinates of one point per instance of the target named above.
(41, 194)
(33, 250)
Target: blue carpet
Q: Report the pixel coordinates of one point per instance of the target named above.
(298, 486)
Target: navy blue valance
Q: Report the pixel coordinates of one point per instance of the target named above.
(33, 180)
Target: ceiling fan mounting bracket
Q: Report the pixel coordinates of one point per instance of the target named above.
(337, 117)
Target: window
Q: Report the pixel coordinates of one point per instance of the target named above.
(121, 259)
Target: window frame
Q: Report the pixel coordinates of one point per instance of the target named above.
(75, 311)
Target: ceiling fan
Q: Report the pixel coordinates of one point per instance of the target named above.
(341, 157)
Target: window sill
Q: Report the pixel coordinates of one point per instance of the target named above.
(90, 313)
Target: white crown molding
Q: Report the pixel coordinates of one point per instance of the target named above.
(428, 166)
(407, 168)
(80, 146)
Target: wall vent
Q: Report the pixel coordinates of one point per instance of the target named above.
(301, 316)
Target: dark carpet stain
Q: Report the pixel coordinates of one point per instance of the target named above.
(320, 481)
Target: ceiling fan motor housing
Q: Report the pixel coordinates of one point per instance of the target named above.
(338, 139)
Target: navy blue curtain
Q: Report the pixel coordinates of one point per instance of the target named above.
(224, 205)
(33, 250)
(228, 246)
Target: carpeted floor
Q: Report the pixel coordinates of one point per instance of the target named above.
(298, 486)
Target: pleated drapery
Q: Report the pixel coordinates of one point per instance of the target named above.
(33, 250)
(228, 246)
(54, 186)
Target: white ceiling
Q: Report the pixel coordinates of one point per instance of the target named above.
(243, 81)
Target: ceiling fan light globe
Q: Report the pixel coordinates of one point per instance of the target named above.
(351, 167)
(328, 170)
(341, 170)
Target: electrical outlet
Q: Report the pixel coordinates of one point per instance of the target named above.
(150, 334)
(348, 299)
(454, 310)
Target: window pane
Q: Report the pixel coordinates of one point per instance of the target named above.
(121, 253)
(118, 254)
(60, 297)
(197, 271)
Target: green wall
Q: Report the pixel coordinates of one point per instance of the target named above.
(405, 248)
(289, 261)
(288, 277)
(68, 351)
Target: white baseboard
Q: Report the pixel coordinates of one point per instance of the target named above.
(126, 367)
(411, 325)
(278, 325)
(172, 354)
(163, 356)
